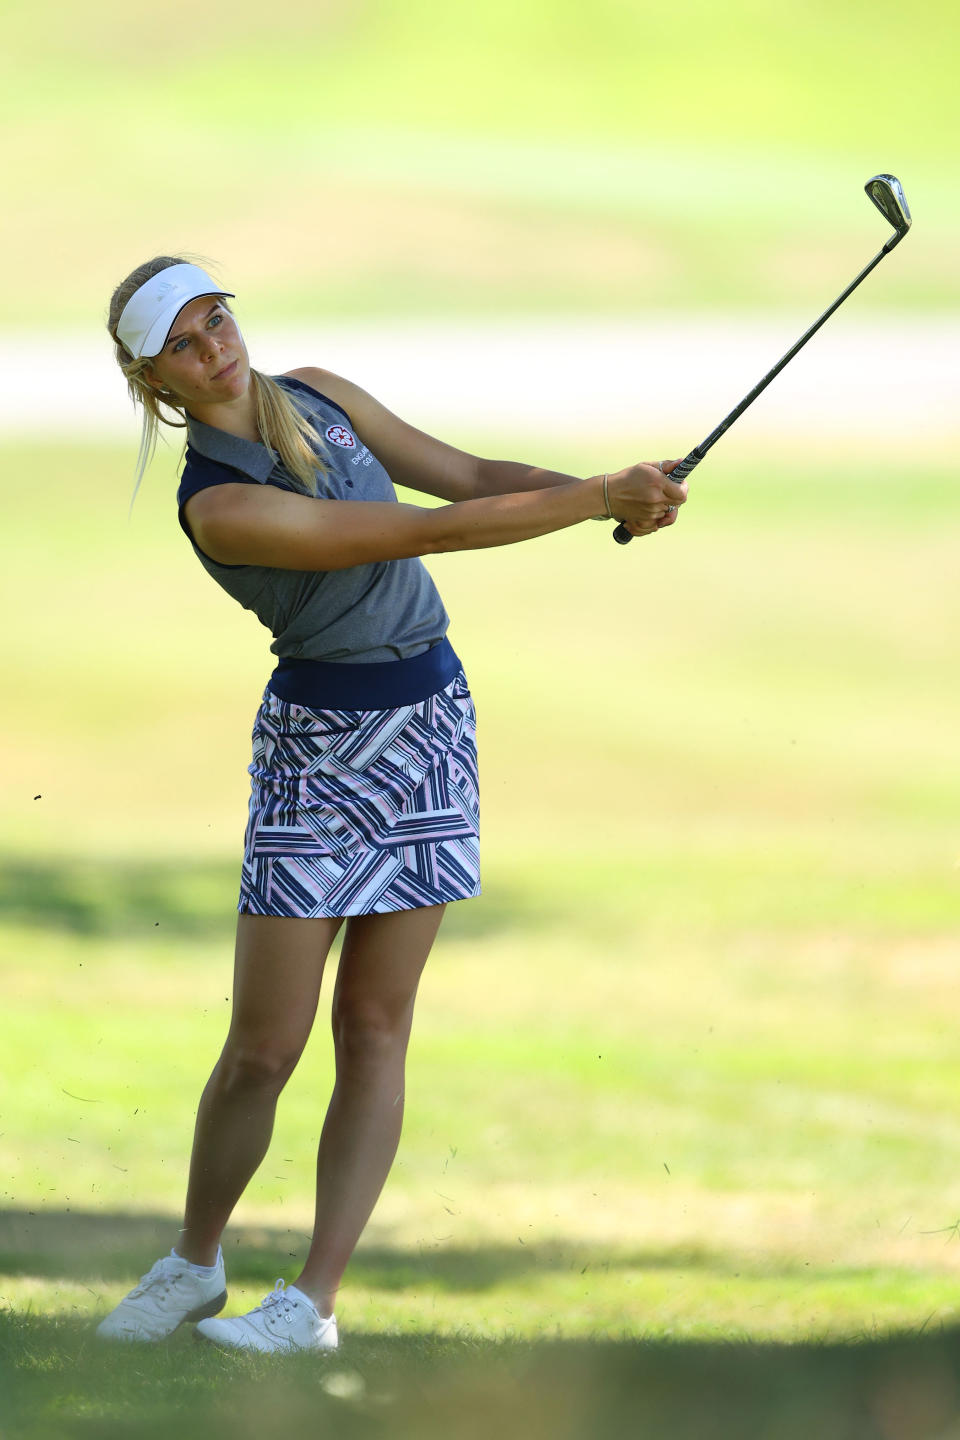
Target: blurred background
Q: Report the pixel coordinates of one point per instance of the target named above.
(690, 1066)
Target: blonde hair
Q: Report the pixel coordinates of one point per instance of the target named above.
(282, 425)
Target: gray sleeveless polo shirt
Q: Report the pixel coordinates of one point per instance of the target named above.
(389, 610)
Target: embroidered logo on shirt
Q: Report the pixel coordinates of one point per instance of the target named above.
(338, 435)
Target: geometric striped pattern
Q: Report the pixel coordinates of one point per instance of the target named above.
(355, 812)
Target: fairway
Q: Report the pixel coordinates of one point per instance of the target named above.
(685, 1075)
(684, 1070)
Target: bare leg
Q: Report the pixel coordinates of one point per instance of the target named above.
(380, 967)
(279, 967)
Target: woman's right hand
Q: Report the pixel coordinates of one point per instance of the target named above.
(642, 497)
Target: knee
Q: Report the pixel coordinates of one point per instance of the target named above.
(252, 1065)
(367, 1036)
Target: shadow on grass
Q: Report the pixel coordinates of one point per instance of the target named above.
(186, 898)
(97, 1248)
(89, 1248)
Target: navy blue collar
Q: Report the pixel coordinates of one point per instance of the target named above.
(250, 457)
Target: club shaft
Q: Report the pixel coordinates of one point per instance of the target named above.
(622, 534)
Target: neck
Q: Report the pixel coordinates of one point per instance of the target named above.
(236, 417)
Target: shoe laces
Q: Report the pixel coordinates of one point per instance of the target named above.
(156, 1275)
(278, 1304)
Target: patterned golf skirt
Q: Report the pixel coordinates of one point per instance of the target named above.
(358, 811)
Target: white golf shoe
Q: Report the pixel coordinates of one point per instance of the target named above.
(286, 1320)
(164, 1298)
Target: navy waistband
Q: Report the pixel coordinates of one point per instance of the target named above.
(328, 685)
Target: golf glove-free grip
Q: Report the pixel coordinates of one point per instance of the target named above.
(622, 534)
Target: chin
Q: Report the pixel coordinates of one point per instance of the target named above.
(236, 383)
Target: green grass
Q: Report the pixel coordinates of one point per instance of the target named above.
(513, 158)
(682, 1126)
(530, 66)
(421, 1388)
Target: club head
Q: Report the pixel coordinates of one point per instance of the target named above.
(886, 192)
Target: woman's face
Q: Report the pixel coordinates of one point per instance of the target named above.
(204, 361)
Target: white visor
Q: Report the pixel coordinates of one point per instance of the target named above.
(149, 314)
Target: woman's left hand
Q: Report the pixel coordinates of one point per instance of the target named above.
(670, 517)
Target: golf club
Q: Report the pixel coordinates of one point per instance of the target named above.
(886, 192)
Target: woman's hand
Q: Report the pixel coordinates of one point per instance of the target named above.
(643, 499)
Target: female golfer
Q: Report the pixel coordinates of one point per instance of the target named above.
(364, 807)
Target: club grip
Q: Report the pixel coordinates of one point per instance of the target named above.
(622, 534)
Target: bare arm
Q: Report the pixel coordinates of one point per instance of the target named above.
(410, 457)
(419, 461)
(512, 477)
(261, 525)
